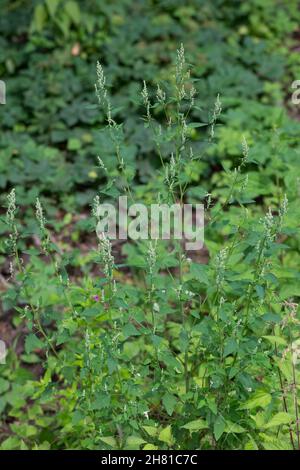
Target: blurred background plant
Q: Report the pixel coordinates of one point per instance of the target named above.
(49, 127)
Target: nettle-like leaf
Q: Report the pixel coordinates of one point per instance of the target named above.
(219, 427)
(169, 402)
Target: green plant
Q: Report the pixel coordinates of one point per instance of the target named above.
(173, 353)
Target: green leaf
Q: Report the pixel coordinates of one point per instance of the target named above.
(52, 6)
(169, 402)
(260, 291)
(260, 398)
(193, 125)
(30, 358)
(130, 330)
(15, 397)
(73, 11)
(233, 428)
(200, 272)
(150, 447)
(77, 417)
(64, 24)
(219, 427)
(92, 312)
(10, 443)
(279, 419)
(286, 368)
(4, 385)
(32, 343)
(134, 442)
(166, 436)
(291, 289)
(110, 441)
(275, 340)
(40, 17)
(183, 341)
(101, 401)
(74, 144)
(251, 444)
(195, 425)
(151, 430)
(231, 347)
(274, 442)
(112, 365)
(24, 429)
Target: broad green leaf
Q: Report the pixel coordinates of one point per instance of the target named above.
(112, 365)
(74, 144)
(110, 441)
(72, 9)
(199, 272)
(77, 417)
(134, 442)
(64, 24)
(291, 289)
(219, 427)
(32, 343)
(101, 401)
(275, 340)
(24, 430)
(231, 347)
(195, 425)
(233, 428)
(275, 443)
(260, 291)
(193, 125)
(169, 402)
(251, 444)
(260, 398)
(92, 312)
(151, 430)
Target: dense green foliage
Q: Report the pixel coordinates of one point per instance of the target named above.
(147, 346)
